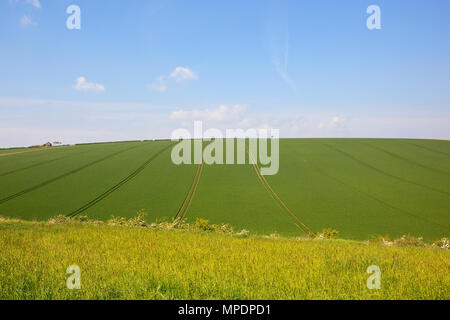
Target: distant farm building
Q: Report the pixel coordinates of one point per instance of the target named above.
(48, 144)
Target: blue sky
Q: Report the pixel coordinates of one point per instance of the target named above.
(140, 69)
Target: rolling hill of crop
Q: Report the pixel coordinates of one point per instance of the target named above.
(360, 187)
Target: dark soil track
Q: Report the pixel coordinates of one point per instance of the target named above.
(284, 208)
(182, 211)
(44, 183)
(119, 184)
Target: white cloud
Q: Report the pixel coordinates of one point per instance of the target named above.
(291, 124)
(182, 73)
(83, 85)
(27, 121)
(26, 21)
(159, 84)
(34, 3)
(334, 123)
(222, 113)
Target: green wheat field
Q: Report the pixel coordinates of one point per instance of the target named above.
(365, 189)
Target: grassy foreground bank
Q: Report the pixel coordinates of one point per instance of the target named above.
(121, 262)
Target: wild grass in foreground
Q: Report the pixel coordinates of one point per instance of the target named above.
(122, 260)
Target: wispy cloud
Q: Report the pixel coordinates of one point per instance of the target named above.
(27, 121)
(183, 73)
(159, 84)
(84, 85)
(34, 3)
(26, 21)
(281, 63)
(278, 39)
(336, 122)
(220, 113)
